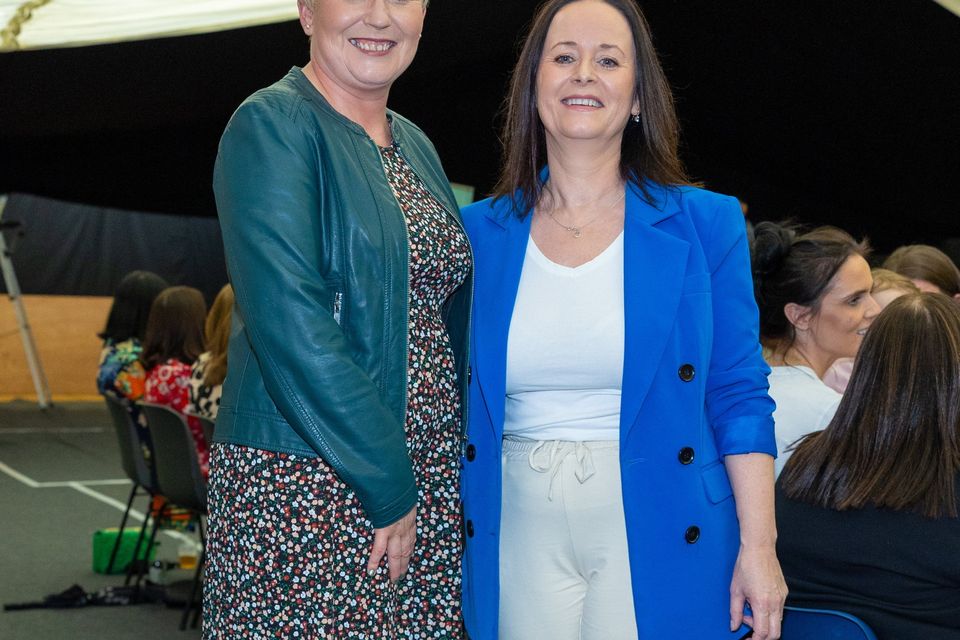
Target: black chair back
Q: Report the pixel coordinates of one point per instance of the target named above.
(175, 458)
(208, 425)
(131, 450)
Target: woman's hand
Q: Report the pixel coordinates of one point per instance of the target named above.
(396, 542)
(757, 580)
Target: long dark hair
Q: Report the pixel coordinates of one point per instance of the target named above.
(131, 306)
(648, 150)
(175, 328)
(791, 266)
(895, 439)
(923, 262)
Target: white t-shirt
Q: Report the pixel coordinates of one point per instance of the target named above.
(565, 349)
(804, 405)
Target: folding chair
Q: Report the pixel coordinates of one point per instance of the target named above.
(823, 624)
(179, 478)
(136, 468)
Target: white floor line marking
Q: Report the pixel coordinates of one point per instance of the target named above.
(58, 430)
(16, 475)
(89, 483)
(82, 487)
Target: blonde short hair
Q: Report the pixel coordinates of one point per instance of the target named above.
(885, 279)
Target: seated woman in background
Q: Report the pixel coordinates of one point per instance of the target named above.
(887, 287)
(813, 291)
(173, 342)
(929, 268)
(120, 373)
(208, 372)
(867, 509)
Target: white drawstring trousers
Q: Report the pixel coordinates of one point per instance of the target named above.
(564, 572)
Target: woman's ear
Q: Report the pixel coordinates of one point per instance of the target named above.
(798, 315)
(305, 8)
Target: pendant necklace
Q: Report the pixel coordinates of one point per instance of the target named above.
(577, 230)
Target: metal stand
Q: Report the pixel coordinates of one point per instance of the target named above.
(13, 290)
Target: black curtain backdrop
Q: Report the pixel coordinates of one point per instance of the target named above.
(826, 111)
(74, 249)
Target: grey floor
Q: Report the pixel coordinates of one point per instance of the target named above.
(53, 497)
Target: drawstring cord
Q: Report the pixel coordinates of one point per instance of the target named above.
(548, 456)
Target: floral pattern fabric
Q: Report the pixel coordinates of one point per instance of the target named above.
(169, 384)
(204, 399)
(289, 542)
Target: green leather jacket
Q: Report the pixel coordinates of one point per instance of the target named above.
(317, 252)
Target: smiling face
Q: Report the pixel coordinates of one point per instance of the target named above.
(362, 46)
(585, 80)
(846, 311)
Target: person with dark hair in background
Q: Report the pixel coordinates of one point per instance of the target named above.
(887, 287)
(120, 373)
(867, 509)
(334, 502)
(173, 342)
(930, 269)
(620, 452)
(210, 368)
(813, 291)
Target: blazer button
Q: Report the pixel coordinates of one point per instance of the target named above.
(469, 374)
(471, 452)
(686, 372)
(469, 528)
(686, 455)
(692, 534)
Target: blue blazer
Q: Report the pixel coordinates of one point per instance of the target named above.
(694, 390)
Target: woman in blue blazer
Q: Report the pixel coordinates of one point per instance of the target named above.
(618, 474)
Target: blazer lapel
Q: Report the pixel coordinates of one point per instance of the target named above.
(654, 265)
(496, 285)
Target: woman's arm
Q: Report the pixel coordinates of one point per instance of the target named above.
(757, 578)
(740, 410)
(266, 183)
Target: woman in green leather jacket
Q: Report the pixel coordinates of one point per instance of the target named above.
(334, 478)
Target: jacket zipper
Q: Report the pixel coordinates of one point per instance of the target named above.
(337, 305)
(406, 300)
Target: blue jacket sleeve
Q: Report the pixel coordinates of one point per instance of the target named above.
(738, 405)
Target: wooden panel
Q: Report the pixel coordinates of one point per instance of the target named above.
(65, 329)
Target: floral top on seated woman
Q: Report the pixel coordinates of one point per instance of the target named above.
(174, 340)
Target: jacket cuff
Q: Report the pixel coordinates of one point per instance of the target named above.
(393, 511)
(747, 434)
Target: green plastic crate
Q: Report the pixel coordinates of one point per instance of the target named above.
(103, 541)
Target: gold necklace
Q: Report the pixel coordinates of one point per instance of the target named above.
(577, 230)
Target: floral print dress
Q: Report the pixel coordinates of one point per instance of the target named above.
(289, 546)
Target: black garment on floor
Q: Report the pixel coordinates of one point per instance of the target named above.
(897, 571)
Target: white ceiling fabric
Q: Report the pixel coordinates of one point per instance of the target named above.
(68, 23)
(951, 5)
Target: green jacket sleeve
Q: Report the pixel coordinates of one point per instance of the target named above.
(266, 183)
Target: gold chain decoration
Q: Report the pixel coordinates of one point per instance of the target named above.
(8, 35)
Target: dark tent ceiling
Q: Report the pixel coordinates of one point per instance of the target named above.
(842, 112)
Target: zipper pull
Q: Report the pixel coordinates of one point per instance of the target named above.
(337, 303)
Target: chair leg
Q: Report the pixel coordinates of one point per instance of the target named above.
(193, 595)
(123, 524)
(202, 566)
(142, 566)
(136, 549)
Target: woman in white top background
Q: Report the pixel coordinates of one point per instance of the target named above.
(813, 291)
